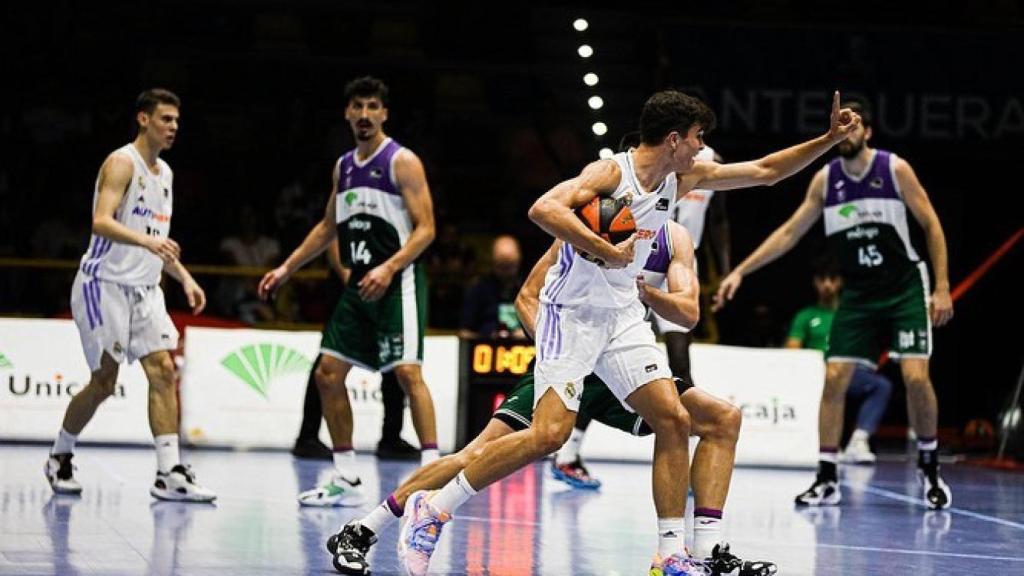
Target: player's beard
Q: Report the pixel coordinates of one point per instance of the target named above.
(848, 149)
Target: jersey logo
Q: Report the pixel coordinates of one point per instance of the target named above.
(376, 173)
(645, 234)
(662, 204)
(650, 368)
(142, 182)
(350, 198)
(141, 200)
(570, 389)
(627, 198)
(876, 182)
(848, 210)
(166, 192)
(815, 322)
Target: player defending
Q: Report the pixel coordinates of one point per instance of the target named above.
(382, 214)
(865, 194)
(117, 302)
(591, 319)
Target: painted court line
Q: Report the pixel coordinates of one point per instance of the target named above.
(915, 501)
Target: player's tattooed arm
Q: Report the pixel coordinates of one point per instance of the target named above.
(553, 212)
(776, 166)
(528, 299)
(115, 176)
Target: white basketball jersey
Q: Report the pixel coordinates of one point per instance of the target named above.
(576, 281)
(145, 208)
(692, 208)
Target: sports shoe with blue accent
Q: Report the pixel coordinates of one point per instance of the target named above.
(418, 533)
(678, 564)
(574, 474)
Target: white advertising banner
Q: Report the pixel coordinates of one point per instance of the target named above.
(42, 366)
(777, 390)
(244, 388)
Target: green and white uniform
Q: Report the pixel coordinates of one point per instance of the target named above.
(373, 224)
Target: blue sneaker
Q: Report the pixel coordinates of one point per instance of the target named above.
(575, 474)
(418, 533)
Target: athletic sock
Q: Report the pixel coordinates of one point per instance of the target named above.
(671, 536)
(570, 451)
(928, 456)
(707, 531)
(454, 494)
(382, 516)
(827, 459)
(167, 455)
(344, 462)
(429, 453)
(65, 442)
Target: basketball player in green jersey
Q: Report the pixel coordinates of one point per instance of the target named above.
(864, 195)
(381, 211)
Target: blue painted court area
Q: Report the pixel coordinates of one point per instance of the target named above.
(529, 524)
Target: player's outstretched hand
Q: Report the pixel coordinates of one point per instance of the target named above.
(195, 296)
(373, 286)
(271, 281)
(841, 121)
(941, 307)
(167, 249)
(726, 290)
(623, 253)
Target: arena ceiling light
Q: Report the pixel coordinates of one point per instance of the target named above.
(600, 128)
(585, 51)
(590, 79)
(580, 24)
(605, 153)
(595, 102)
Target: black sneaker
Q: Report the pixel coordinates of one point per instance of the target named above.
(397, 450)
(937, 494)
(349, 548)
(311, 449)
(723, 562)
(59, 473)
(821, 493)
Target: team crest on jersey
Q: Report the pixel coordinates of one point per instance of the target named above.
(350, 198)
(570, 390)
(876, 182)
(376, 173)
(142, 182)
(662, 204)
(627, 198)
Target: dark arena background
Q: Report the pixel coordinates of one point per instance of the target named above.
(500, 102)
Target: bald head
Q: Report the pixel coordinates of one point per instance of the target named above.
(506, 257)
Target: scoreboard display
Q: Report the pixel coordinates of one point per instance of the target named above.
(488, 369)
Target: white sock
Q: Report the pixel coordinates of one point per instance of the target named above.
(65, 442)
(570, 451)
(167, 455)
(671, 536)
(344, 464)
(707, 531)
(454, 494)
(429, 455)
(929, 445)
(379, 519)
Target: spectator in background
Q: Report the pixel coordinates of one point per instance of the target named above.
(237, 296)
(810, 329)
(488, 308)
(449, 263)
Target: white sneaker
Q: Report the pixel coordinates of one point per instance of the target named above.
(821, 493)
(937, 494)
(339, 491)
(180, 485)
(858, 451)
(60, 473)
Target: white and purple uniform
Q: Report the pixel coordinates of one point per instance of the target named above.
(116, 299)
(590, 318)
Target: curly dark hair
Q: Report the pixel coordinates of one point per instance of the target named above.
(366, 87)
(672, 111)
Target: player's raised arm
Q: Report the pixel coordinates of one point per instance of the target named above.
(553, 212)
(528, 298)
(316, 241)
(115, 175)
(776, 166)
(681, 303)
(778, 242)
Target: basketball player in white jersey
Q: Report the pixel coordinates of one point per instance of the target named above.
(591, 319)
(691, 211)
(117, 302)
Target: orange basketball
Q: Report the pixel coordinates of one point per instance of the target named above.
(609, 218)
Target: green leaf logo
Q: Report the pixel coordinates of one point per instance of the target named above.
(848, 210)
(350, 198)
(258, 365)
(4, 362)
